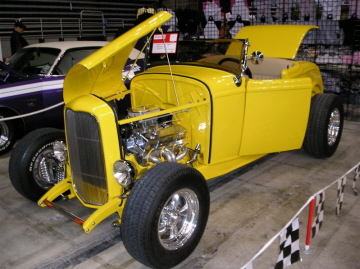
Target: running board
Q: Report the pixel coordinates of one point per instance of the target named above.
(64, 212)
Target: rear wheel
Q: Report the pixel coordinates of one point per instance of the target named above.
(33, 169)
(165, 215)
(325, 125)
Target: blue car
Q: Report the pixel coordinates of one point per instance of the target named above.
(31, 84)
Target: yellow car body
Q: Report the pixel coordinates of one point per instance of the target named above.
(234, 125)
(221, 119)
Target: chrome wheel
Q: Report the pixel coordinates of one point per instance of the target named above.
(178, 219)
(8, 133)
(44, 169)
(334, 126)
(165, 215)
(47, 170)
(4, 133)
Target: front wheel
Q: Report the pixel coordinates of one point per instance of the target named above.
(7, 135)
(325, 125)
(165, 215)
(33, 169)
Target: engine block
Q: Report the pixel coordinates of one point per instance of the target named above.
(156, 140)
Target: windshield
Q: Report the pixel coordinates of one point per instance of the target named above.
(72, 57)
(33, 61)
(227, 54)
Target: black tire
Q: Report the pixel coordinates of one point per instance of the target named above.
(24, 163)
(7, 134)
(145, 215)
(325, 125)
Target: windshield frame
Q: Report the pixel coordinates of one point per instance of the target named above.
(208, 52)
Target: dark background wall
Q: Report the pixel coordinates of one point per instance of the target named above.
(49, 20)
(335, 47)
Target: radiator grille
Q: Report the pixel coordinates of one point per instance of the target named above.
(86, 157)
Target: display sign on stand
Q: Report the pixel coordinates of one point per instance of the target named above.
(162, 44)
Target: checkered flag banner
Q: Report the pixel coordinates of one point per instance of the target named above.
(340, 194)
(356, 177)
(319, 209)
(289, 245)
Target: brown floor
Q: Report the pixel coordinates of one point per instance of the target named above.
(246, 212)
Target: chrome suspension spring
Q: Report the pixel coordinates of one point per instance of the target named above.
(45, 172)
(60, 175)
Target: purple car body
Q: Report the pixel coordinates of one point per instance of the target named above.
(31, 85)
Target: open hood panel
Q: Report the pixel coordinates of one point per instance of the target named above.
(280, 41)
(101, 72)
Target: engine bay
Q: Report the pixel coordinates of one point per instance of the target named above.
(153, 140)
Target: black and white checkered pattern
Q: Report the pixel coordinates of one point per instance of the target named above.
(356, 177)
(289, 245)
(340, 194)
(319, 209)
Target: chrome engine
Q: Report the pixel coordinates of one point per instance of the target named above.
(155, 140)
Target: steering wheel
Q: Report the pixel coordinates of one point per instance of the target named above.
(229, 59)
(234, 60)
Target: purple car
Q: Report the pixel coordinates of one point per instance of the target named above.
(31, 85)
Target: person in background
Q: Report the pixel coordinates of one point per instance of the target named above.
(17, 41)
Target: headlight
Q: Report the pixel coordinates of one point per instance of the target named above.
(59, 150)
(123, 173)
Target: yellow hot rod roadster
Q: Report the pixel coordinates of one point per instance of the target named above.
(144, 152)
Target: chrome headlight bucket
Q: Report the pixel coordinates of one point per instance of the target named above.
(124, 173)
(59, 150)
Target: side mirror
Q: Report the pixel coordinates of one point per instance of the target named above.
(257, 57)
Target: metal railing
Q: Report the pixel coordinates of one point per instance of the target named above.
(86, 24)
